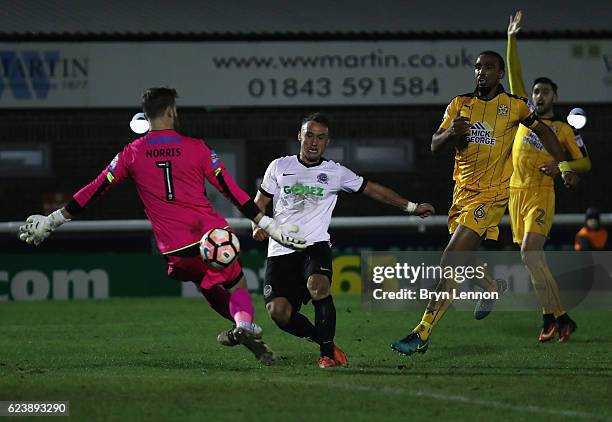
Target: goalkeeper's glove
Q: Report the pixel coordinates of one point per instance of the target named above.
(39, 227)
(283, 234)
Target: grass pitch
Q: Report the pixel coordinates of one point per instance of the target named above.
(158, 359)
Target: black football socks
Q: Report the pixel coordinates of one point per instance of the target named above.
(300, 326)
(325, 324)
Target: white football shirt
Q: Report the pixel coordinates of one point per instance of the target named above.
(306, 194)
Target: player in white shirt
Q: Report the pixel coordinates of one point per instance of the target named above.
(304, 190)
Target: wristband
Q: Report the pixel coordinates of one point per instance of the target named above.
(56, 218)
(411, 207)
(264, 222)
(565, 166)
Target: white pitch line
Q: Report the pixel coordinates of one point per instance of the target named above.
(451, 398)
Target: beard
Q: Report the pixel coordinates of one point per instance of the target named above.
(544, 109)
(483, 90)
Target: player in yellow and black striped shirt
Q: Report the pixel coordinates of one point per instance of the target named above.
(482, 165)
(532, 194)
(481, 127)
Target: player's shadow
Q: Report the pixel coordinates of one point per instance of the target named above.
(591, 340)
(503, 371)
(411, 368)
(472, 350)
(158, 363)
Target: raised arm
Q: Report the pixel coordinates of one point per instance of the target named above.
(515, 76)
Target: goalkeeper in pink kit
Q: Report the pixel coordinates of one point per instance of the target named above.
(169, 171)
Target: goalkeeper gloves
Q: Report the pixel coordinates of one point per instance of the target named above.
(283, 233)
(39, 227)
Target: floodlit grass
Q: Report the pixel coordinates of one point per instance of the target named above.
(158, 359)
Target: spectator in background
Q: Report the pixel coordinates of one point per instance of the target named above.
(592, 237)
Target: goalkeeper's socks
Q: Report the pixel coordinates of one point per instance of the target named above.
(219, 299)
(241, 308)
(325, 324)
(300, 326)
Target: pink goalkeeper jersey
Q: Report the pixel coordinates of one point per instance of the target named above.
(169, 171)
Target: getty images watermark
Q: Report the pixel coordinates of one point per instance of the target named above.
(413, 273)
(408, 280)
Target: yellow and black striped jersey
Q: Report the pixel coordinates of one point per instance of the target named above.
(483, 161)
(528, 153)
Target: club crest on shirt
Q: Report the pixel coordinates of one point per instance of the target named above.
(502, 110)
(322, 178)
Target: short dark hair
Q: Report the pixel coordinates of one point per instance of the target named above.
(156, 100)
(545, 80)
(592, 213)
(316, 117)
(500, 59)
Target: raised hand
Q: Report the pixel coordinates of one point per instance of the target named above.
(515, 23)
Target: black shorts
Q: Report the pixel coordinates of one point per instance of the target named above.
(287, 275)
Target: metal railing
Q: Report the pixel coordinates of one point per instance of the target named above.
(336, 223)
